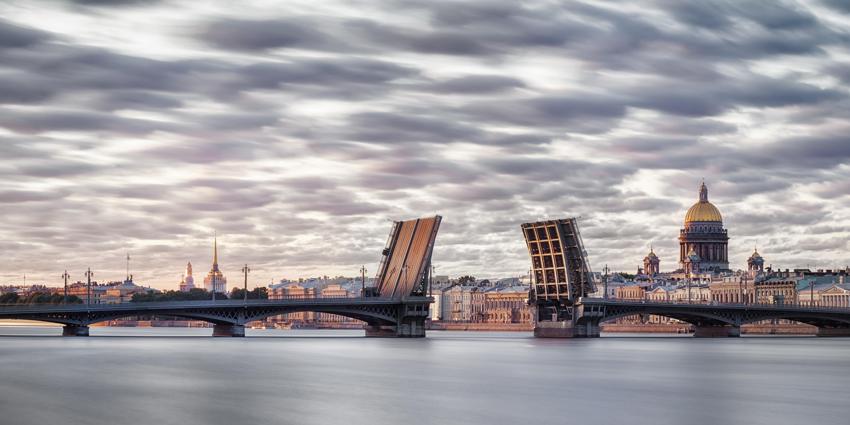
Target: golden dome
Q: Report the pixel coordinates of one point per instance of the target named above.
(703, 210)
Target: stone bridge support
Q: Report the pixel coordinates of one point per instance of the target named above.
(227, 329)
(716, 331)
(823, 331)
(75, 330)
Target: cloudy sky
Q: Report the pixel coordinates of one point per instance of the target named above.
(298, 130)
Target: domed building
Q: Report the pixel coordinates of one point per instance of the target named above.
(651, 263)
(704, 235)
(755, 263)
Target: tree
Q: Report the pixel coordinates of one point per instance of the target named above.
(195, 294)
(466, 280)
(260, 293)
(9, 298)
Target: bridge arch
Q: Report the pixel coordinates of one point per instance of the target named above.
(814, 319)
(370, 316)
(697, 319)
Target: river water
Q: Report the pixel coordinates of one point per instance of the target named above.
(159, 376)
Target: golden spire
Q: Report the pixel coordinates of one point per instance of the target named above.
(215, 251)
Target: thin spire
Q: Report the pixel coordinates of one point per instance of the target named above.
(215, 250)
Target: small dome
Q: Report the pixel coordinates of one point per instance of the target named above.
(703, 210)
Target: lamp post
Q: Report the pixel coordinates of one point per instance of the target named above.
(65, 276)
(363, 281)
(812, 293)
(245, 271)
(605, 281)
(89, 274)
(741, 289)
(213, 286)
(690, 277)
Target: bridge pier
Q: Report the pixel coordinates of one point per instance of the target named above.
(228, 330)
(407, 329)
(833, 332)
(75, 330)
(566, 329)
(717, 331)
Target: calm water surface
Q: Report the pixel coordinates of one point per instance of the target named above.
(182, 376)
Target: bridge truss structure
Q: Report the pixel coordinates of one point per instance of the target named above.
(560, 270)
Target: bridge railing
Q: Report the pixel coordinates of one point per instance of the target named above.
(712, 303)
(208, 303)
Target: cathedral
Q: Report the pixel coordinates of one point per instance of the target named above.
(703, 242)
(215, 279)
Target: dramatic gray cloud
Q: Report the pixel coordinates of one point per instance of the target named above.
(298, 130)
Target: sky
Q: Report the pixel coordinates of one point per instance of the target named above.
(298, 130)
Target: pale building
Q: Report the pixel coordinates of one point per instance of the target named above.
(293, 291)
(122, 292)
(457, 303)
(215, 280)
(187, 283)
(507, 305)
(735, 289)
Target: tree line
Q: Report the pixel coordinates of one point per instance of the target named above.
(38, 298)
(198, 294)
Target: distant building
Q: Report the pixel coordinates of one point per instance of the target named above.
(293, 291)
(215, 280)
(651, 263)
(507, 305)
(735, 289)
(187, 283)
(121, 292)
(703, 235)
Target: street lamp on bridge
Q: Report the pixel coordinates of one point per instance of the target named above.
(245, 271)
(65, 276)
(363, 281)
(89, 274)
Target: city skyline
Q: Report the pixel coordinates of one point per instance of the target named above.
(297, 133)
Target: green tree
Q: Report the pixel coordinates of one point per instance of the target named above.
(466, 280)
(260, 293)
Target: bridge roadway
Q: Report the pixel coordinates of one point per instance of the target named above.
(709, 320)
(391, 317)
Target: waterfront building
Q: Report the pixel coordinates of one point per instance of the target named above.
(457, 303)
(293, 291)
(121, 292)
(215, 280)
(79, 289)
(738, 289)
(835, 296)
(633, 291)
(334, 291)
(507, 305)
(187, 283)
(776, 290)
(703, 235)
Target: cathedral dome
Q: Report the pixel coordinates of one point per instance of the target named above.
(703, 210)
